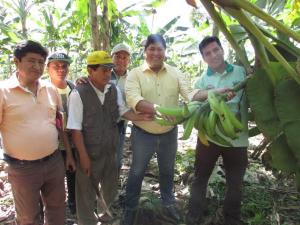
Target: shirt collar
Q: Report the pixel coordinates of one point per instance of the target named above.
(146, 67)
(107, 86)
(114, 74)
(228, 69)
(13, 82)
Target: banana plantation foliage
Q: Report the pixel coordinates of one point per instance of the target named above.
(261, 35)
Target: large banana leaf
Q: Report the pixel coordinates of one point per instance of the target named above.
(291, 131)
(282, 157)
(260, 93)
(288, 109)
(287, 101)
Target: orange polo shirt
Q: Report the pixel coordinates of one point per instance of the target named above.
(27, 122)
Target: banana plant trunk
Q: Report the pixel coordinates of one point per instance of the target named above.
(94, 23)
(105, 30)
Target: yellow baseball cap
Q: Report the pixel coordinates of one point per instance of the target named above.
(101, 58)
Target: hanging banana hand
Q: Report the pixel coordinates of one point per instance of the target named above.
(207, 117)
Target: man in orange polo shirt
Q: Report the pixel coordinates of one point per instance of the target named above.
(28, 109)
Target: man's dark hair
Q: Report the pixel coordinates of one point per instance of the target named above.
(207, 40)
(155, 38)
(29, 46)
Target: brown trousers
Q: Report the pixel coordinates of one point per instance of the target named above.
(235, 162)
(30, 181)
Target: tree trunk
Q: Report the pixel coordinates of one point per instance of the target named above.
(24, 29)
(94, 22)
(215, 30)
(106, 29)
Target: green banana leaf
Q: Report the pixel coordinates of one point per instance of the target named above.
(287, 101)
(282, 157)
(287, 105)
(260, 94)
(291, 131)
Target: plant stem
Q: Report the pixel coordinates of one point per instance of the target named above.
(289, 47)
(251, 27)
(240, 85)
(254, 10)
(260, 52)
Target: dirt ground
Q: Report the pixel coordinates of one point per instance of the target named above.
(150, 212)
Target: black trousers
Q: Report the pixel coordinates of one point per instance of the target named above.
(235, 162)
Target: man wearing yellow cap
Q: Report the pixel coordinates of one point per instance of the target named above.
(94, 110)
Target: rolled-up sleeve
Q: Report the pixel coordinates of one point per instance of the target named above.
(133, 90)
(75, 115)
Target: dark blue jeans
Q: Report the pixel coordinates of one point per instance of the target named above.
(144, 145)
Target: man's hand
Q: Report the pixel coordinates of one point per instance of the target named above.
(85, 164)
(81, 80)
(70, 163)
(145, 116)
(230, 95)
(228, 91)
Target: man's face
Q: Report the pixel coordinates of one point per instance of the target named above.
(121, 60)
(155, 55)
(101, 76)
(58, 70)
(213, 55)
(31, 67)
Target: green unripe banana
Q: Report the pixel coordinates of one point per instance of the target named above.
(168, 111)
(212, 121)
(185, 113)
(189, 126)
(202, 137)
(228, 127)
(164, 122)
(214, 102)
(230, 116)
(218, 139)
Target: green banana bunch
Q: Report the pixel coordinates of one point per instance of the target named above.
(207, 117)
(207, 128)
(229, 124)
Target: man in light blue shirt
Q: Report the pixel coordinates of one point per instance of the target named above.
(121, 58)
(220, 77)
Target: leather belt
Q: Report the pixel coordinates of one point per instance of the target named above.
(13, 160)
